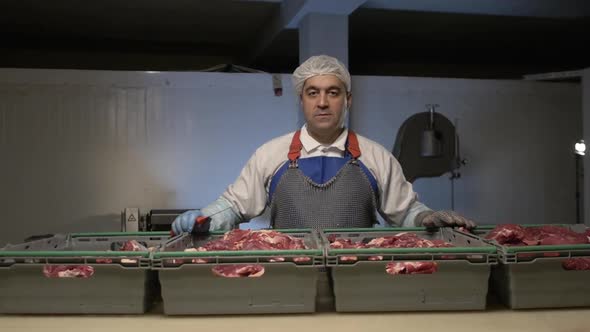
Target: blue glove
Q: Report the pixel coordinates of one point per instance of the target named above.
(185, 222)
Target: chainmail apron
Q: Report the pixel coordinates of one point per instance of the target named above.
(345, 201)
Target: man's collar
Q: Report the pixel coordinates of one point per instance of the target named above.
(310, 144)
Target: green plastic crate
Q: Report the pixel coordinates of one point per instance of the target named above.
(189, 287)
(121, 284)
(532, 276)
(461, 282)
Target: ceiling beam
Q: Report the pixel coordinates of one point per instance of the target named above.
(554, 75)
(296, 11)
(289, 16)
(527, 8)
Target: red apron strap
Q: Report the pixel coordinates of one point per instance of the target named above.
(295, 148)
(353, 145)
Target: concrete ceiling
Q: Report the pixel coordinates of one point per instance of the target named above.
(452, 38)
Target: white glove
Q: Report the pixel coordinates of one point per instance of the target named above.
(443, 219)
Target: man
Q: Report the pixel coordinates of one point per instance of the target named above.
(324, 175)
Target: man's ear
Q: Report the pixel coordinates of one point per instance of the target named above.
(348, 99)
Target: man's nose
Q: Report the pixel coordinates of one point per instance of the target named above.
(323, 100)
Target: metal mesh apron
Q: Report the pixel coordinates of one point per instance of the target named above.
(345, 201)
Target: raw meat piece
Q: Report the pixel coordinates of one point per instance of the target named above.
(177, 261)
(238, 271)
(236, 235)
(270, 240)
(104, 260)
(509, 234)
(441, 244)
(332, 237)
(338, 243)
(411, 268)
(218, 245)
(131, 245)
(406, 240)
(68, 271)
(301, 259)
(399, 240)
(552, 235)
(239, 239)
(516, 235)
(579, 264)
(196, 260)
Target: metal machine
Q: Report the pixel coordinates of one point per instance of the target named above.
(154, 220)
(427, 145)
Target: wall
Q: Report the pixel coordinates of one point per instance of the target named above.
(517, 136)
(79, 146)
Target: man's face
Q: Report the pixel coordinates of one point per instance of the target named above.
(324, 98)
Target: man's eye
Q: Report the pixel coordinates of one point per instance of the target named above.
(334, 93)
(311, 93)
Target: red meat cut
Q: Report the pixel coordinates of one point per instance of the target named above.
(411, 268)
(508, 234)
(399, 240)
(238, 271)
(579, 264)
(239, 239)
(131, 245)
(516, 235)
(68, 271)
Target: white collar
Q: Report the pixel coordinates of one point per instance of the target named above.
(310, 144)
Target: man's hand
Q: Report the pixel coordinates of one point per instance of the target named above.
(443, 219)
(185, 222)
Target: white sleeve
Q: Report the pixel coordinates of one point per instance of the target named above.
(247, 194)
(413, 211)
(398, 203)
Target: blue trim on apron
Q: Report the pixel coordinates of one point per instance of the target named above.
(320, 170)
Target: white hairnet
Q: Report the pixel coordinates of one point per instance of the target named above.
(320, 65)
